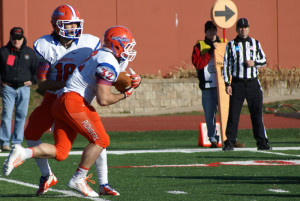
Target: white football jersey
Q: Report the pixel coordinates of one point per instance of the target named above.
(64, 61)
(84, 80)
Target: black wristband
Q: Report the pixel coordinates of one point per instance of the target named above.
(124, 96)
(227, 84)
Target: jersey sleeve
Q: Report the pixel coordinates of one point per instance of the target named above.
(200, 60)
(227, 64)
(261, 60)
(40, 47)
(106, 74)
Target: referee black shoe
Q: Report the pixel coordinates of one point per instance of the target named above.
(228, 147)
(264, 147)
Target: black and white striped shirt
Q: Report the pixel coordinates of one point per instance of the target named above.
(237, 52)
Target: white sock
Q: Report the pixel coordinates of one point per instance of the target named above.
(81, 172)
(28, 153)
(101, 167)
(41, 163)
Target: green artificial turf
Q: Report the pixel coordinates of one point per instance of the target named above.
(164, 176)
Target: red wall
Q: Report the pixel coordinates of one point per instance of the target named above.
(162, 43)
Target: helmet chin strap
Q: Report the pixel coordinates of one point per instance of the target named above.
(113, 49)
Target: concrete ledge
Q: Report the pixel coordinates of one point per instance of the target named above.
(165, 96)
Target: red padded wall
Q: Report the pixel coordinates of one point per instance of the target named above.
(165, 31)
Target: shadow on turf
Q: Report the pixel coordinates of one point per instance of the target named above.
(243, 180)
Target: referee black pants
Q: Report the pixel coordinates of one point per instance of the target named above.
(252, 92)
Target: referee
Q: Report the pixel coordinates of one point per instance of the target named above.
(242, 58)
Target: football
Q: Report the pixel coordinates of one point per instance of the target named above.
(123, 82)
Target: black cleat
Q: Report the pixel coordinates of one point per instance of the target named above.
(265, 147)
(228, 147)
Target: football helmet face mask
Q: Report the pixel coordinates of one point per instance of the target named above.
(120, 41)
(66, 14)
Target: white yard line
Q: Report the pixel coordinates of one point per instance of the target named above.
(278, 191)
(64, 192)
(196, 150)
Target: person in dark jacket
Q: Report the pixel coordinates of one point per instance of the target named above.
(204, 62)
(18, 65)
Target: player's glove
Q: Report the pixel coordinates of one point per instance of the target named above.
(128, 93)
(135, 79)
